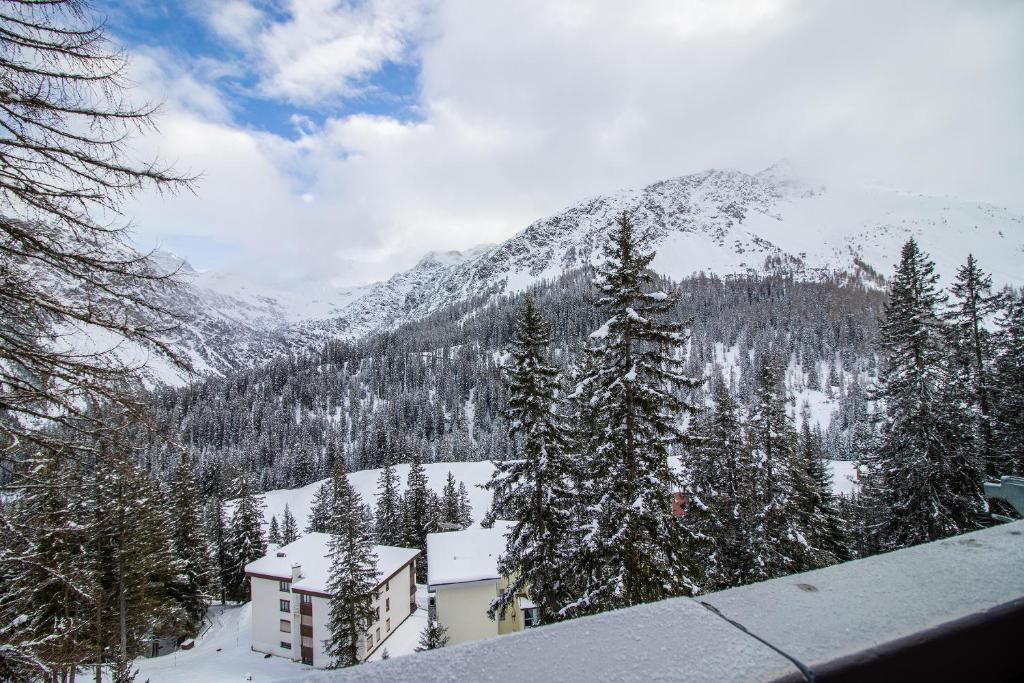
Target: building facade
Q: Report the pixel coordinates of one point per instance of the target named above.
(463, 579)
(291, 603)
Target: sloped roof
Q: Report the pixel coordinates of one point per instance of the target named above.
(468, 555)
(311, 553)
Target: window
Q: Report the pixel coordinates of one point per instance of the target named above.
(284, 586)
(369, 641)
(387, 586)
(306, 599)
(531, 617)
(387, 604)
(307, 641)
(389, 625)
(376, 611)
(378, 635)
(286, 626)
(286, 605)
(285, 645)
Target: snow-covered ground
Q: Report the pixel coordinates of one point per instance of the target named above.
(221, 655)
(405, 638)
(364, 482)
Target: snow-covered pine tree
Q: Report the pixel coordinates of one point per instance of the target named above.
(289, 527)
(778, 538)
(450, 516)
(973, 307)
(532, 488)
(139, 578)
(1008, 381)
(637, 551)
(218, 538)
(246, 540)
(190, 543)
(923, 483)
(432, 637)
(273, 532)
(388, 513)
(465, 508)
(718, 485)
(320, 508)
(821, 521)
(353, 574)
(45, 595)
(419, 512)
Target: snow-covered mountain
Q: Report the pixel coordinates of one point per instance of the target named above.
(717, 221)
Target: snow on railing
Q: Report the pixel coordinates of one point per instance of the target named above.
(948, 610)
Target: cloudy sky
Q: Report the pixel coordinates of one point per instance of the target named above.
(343, 140)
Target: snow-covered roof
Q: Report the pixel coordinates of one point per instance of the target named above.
(311, 553)
(467, 555)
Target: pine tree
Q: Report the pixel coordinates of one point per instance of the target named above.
(450, 515)
(419, 513)
(637, 552)
(218, 535)
(320, 508)
(190, 544)
(779, 538)
(434, 636)
(289, 527)
(531, 489)
(718, 485)
(353, 574)
(246, 541)
(1008, 399)
(465, 508)
(925, 484)
(824, 527)
(273, 532)
(973, 307)
(388, 514)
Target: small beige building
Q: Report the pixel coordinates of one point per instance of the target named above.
(463, 579)
(291, 603)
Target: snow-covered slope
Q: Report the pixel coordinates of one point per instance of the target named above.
(717, 221)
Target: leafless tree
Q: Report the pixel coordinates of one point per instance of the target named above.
(72, 291)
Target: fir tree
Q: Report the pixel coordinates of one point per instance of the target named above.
(820, 518)
(388, 514)
(434, 636)
(637, 552)
(353, 574)
(320, 508)
(968, 319)
(246, 541)
(218, 535)
(779, 533)
(190, 543)
(465, 508)
(273, 532)
(289, 528)
(926, 484)
(1008, 409)
(718, 470)
(531, 489)
(450, 514)
(419, 512)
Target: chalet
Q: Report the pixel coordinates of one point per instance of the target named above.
(463, 579)
(290, 600)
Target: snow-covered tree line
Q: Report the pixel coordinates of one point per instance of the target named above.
(604, 518)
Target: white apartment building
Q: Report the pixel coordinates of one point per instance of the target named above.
(463, 579)
(290, 601)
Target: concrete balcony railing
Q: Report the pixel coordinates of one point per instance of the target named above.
(947, 610)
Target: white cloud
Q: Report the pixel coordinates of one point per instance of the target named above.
(528, 106)
(325, 48)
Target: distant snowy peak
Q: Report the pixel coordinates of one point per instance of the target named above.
(717, 221)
